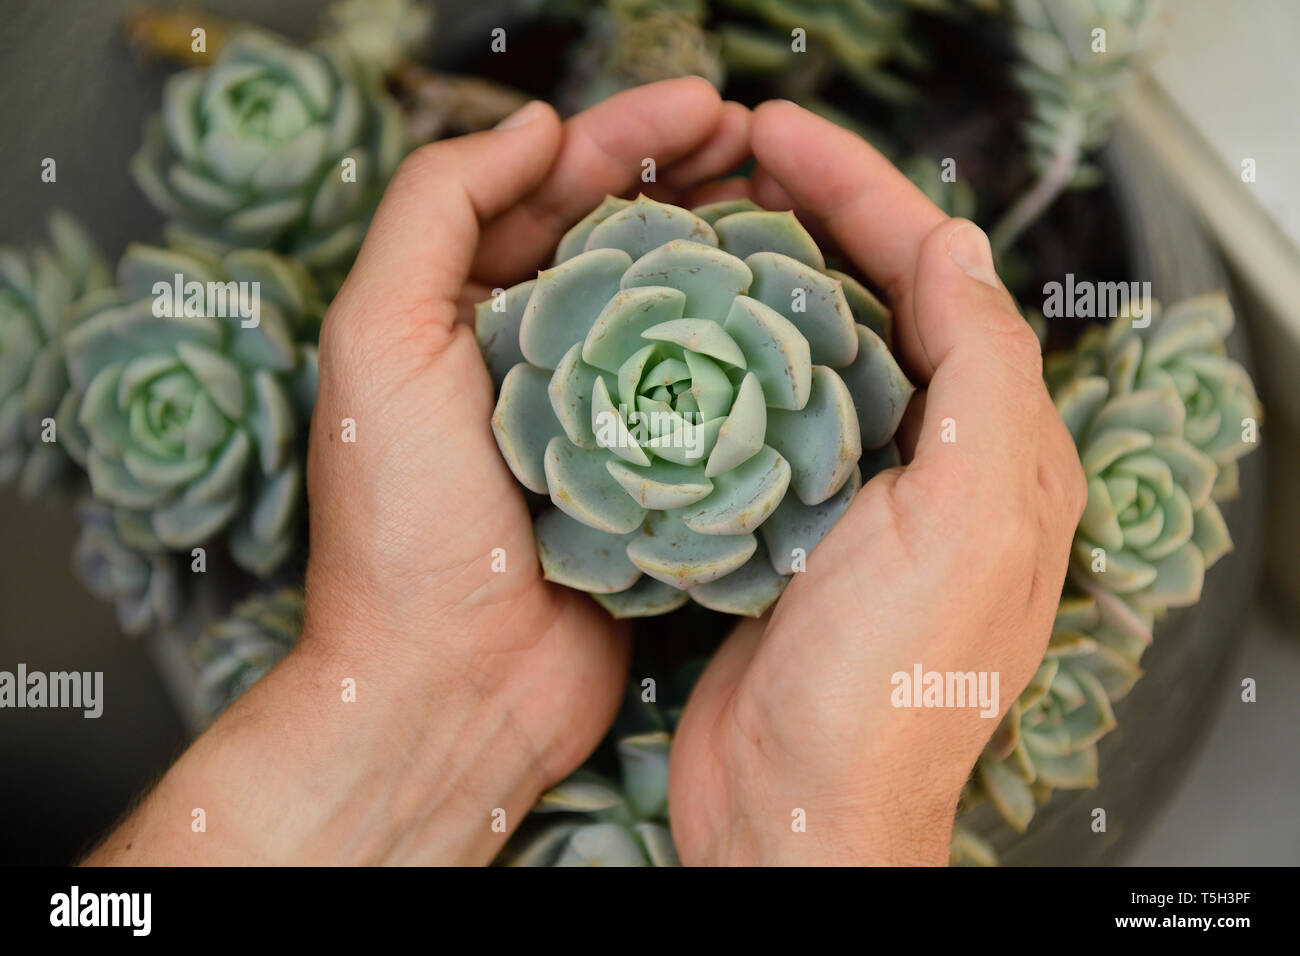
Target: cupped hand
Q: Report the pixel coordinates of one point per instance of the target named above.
(440, 683)
(791, 748)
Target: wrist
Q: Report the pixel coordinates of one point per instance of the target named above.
(332, 759)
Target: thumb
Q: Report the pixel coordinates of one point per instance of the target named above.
(421, 242)
(982, 404)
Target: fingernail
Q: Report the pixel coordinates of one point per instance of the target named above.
(525, 114)
(969, 248)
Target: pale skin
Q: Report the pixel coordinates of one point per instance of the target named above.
(475, 690)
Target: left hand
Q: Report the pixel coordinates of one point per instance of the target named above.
(475, 690)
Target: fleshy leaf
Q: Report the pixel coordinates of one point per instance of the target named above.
(581, 486)
(813, 301)
(822, 441)
(669, 551)
(565, 303)
(581, 557)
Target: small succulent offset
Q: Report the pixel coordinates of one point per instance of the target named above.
(602, 823)
(141, 581)
(235, 653)
(678, 381)
(36, 293)
(273, 147)
(189, 392)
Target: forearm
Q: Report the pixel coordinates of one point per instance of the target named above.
(295, 774)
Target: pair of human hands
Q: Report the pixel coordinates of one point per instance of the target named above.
(476, 690)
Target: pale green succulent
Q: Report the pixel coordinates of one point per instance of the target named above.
(376, 35)
(858, 37)
(141, 582)
(235, 653)
(667, 382)
(1150, 528)
(1182, 348)
(37, 290)
(603, 823)
(1048, 737)
(1073, 87)
(631, 42)
(274, 146)
(191, 425)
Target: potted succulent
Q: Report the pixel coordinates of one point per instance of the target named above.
(191, 441)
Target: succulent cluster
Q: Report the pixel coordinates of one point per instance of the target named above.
(37, 289)
(189, 390)
(676, 382)
(235, 653)
(1159, 415)
(272, 147)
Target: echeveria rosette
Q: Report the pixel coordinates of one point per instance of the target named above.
(141, 581)
(1048, 737)
(236, 652)
(603, 823)
(1150, 528)
(37, 290)
(677, 382)
(614, 811)
(1181, 348)
(193, 425)
(248, 153)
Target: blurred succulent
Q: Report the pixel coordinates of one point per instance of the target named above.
(188, 398)
(954, 196)
(235, 653)
(274, 146)
(142, 583)
(968, 848)
(1078, 57)
(36, 291)
(859, 38)
(374, 36)
(630, 42)
(605, 823)
(1182, 348)
(666, 383)
(1048, 737)
(599, 819)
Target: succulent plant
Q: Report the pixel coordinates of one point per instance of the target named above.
(235, 653)
(602, 823)
(186, 414)
(631, 42)
(1151, 527)
(858, 37)
(36, 292)
(667, 381)
(1048, 737)
(274, 146)
(142, 583)
(1073, 87)
(375, 35)
(1182, 348)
